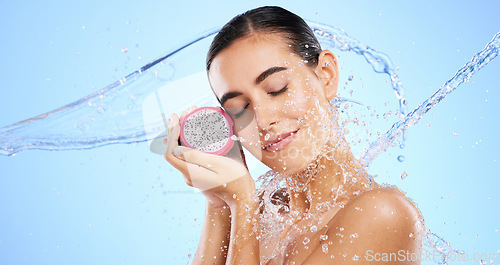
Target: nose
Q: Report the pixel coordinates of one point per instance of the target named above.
(266, 116)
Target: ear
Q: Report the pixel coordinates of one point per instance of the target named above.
(328, 73)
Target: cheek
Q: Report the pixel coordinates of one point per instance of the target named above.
(247, 131)
(300, 100)
(249, 136)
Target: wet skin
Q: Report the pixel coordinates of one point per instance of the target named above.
(274, 98)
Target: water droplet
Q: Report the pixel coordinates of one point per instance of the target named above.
(404, 175)
(410, 235)
(401, 158)
(124, 49)
(355, 235)
(267, 137)
(341, 229)
(324, 247)
(234, 196)
(350, 78)
(323, 237)
(455, 134)
(306, 240)
(314, 228)
(355, 258)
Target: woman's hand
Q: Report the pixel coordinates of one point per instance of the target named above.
(223, 180)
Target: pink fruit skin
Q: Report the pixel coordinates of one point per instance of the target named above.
(230, 141)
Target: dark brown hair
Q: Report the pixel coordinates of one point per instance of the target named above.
(268, 19)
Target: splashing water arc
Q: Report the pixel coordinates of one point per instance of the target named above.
(113, 114)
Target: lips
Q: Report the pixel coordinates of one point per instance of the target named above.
(280, 142)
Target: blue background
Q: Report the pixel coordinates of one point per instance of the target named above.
(116, 204)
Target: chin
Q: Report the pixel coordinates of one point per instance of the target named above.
(293, 165)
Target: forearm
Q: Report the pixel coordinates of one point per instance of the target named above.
(244, 243)
(214, 240)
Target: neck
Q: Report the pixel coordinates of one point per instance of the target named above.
(327, 180)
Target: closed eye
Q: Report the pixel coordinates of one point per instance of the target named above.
(270, 93)
(237, 115)
(279, 92)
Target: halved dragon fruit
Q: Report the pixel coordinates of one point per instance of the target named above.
(208, 129)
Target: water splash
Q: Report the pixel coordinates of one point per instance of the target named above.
(110, 115)
(380, 62)
(439, 250)
(479, 60)
(113, 114)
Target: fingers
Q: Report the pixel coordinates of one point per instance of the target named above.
(172, 134)
(186, 112)
(174, 130)
(205, 171)
(211, 163)
(194, 167)
(172, 142)
(209, 171)
(196, 157)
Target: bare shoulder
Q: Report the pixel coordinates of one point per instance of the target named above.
(385, 203)
(378, 226)
(383, 216)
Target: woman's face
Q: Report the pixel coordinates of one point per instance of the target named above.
(280, 105)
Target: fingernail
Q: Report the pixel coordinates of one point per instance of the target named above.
(177, 151)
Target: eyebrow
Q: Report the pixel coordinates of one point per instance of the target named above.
(267, 73)
(258, 80)
(227, 96)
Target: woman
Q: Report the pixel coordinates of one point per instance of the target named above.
(269, 73)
